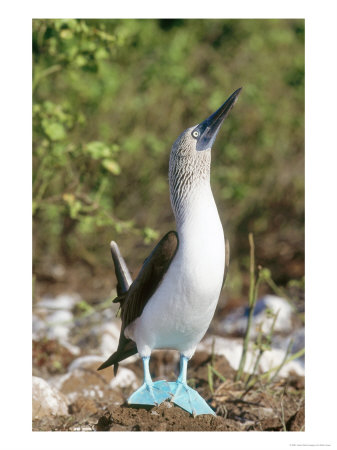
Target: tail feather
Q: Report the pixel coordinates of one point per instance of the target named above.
(126, 347)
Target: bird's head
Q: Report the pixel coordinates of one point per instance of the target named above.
(190, 157)
(201, 137)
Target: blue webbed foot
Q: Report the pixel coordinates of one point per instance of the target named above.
(178, 392)
(164, 387)
(189, 399)
(148, 394)
(186, 397)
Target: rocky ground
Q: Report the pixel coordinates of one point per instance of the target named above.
(74, 332)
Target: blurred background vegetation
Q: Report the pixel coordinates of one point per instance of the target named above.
(109, 99)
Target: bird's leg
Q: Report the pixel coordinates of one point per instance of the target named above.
(149, 393)
(186, 397)
(182, 378)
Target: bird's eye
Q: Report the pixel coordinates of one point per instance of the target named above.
(195, 134)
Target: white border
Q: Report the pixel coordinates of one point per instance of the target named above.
(321, 224)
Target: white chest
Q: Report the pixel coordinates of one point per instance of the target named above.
(180, 311)
(199, 264)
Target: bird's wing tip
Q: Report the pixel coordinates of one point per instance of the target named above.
(113, 245)
(104, 365)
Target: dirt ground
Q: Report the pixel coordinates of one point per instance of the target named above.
(273, 406)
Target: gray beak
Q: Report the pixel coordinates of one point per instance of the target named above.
(208, 129)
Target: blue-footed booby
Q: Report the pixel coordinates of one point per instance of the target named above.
(173, 299)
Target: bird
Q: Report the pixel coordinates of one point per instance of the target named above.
(172, 301)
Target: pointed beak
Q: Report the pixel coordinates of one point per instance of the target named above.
(209, 128)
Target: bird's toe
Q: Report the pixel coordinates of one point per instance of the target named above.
(189, 400)
(148, 395)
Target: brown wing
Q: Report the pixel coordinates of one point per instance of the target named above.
(141, 290)
(149, 278)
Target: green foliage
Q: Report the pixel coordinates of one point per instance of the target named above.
(111, 96)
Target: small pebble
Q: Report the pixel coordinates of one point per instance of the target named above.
(168, 404)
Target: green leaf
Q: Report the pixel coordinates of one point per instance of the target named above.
(98, 150)
(69, 198)
(75, 208)
(150, 235)
(66, 34)
(265, 274)
(54, 130)
(80, 60)
(84, 307)
(63, 24)
(101, 53)
(111, 166)
(57, 365)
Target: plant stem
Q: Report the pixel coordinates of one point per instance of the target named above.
(290, 345)
(45, 73)
(255, 368)
(218, 374)
(252, 270)
(210, 378)
(252, 302)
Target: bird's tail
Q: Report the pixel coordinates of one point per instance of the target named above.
(126, 347)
